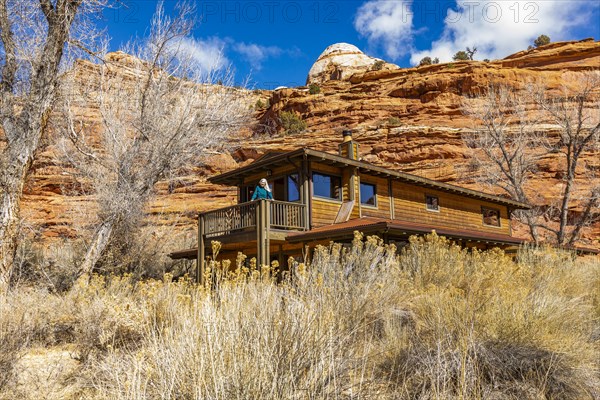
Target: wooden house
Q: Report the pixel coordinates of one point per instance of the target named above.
(320, 197)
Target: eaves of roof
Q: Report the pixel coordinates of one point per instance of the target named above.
(370, 225)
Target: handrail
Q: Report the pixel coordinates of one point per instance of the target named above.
(229, 219)
(244, 216)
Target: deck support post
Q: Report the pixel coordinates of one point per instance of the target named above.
(262, 233)
(200, 261)
(305, 194)
(391, 197)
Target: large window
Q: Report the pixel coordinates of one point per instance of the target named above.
(491, 216)
(327, 186)
(368, 194)
(293, 187)
(432, 203)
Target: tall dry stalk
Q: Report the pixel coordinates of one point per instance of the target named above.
(360, 321)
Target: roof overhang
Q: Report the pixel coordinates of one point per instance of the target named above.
(398, 228)
(187, 254)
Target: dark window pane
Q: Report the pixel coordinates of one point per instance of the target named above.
(326, 186)
(368, 194)
(490, 216)
(247, 193)
(278, 189)
(293, 184)
(433, 203)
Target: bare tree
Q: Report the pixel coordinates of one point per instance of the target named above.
(510, 139)
(35, 37)
(506, 145)
(471, 52)
(158, 112)
(576, 114)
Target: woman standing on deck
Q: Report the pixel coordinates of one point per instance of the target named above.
(262, 191)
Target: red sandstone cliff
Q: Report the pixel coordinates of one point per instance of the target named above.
(404, 119)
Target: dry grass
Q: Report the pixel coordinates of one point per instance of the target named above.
(436, 322)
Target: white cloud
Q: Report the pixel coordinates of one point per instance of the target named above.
(208, 54)
(256, 54)
(500, 28)
(388, 24)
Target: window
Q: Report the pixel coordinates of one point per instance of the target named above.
(491, 216)
(368, 194)
(432, 203)
(293, 187)
(327, 186)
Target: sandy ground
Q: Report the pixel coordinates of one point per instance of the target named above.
(47, 373)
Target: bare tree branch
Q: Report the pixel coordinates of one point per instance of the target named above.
(507, 147)
(159, 112)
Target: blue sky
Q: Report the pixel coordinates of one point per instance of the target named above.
(275, 43)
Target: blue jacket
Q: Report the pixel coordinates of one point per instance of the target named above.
(261, 193)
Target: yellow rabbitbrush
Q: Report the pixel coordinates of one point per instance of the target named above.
(368, 321)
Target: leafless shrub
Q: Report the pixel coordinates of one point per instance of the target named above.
(11, 343)
(158, 113)
(516, 129)
(51, 266)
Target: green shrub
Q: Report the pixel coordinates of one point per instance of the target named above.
(394, 121)
(461, 56)
(313, 88)
(291, 123)
(378, 65)
(542, 40)
(425, 61)
(260, 105)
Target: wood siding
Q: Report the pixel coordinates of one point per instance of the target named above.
(455, 211)
(324, 211)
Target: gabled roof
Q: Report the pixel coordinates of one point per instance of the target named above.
(234, 177)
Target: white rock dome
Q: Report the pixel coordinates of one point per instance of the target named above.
(340, 48)
(339, 62)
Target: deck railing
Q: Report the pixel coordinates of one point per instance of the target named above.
(286, 215)
(230, 219)
(244, 216)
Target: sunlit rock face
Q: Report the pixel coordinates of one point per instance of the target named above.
(340, 61)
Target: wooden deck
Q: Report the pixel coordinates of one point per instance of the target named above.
(247, 216)
(258, 221)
